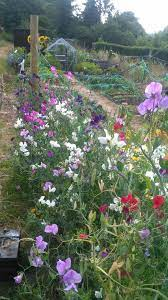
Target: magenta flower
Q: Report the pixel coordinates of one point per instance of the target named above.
(41, 245)
(50, 154)
(53, 101)
(71, 278)
(153, 93)
(51, 229)
(53, 69)
(144, 233)
(18, 278)
(51, 133)
(69, 75)
(63, 266)
(37, 262)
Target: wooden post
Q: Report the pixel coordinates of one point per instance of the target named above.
(34, 46)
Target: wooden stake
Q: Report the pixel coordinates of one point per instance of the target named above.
(34, 45)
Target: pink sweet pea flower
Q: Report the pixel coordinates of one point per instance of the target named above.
(69, 75)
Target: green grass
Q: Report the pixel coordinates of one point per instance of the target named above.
(3, 66)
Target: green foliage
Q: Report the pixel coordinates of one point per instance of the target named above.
(50, 60)
(83, 56)
(112, 86)
(88, 68)
(7, 37)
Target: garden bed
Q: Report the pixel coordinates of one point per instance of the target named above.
(96, 196)
(115, 87)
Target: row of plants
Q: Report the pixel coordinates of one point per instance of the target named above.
(116, 87)
(98, 190)
(132, 51)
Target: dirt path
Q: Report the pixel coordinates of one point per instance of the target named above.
(7, 120)
(107, 105)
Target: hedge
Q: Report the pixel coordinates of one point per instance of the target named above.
(132, 51)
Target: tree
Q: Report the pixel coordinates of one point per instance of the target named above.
(95, 10)
(92, 13)
(60, 15)
(128, 22)
(13, 13)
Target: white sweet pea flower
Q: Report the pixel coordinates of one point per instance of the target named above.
(104, 167)
(26, 153)
(52, 190)
(75, 177)
(98, 294)
(105, 139)
(69, 173)
(29, 138)
(23, 146)
(150, 174)
(54, 144)
(42, 200)
(116, 142)
(74, 136)
(46, 202)
(19, 123)
(50, 203)
(116, 205)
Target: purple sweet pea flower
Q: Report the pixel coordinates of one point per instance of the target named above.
(104, 254)
(47, 186)
(58, 172)
(18, 278)
(50, 154)
(41, 245)
(51, 229)
(164, 103)
(153, 93)
(37, 262)
(96, 119)
(153, 90)
(70, 279)
(144, 233)
(163, 172)
(63, 266)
